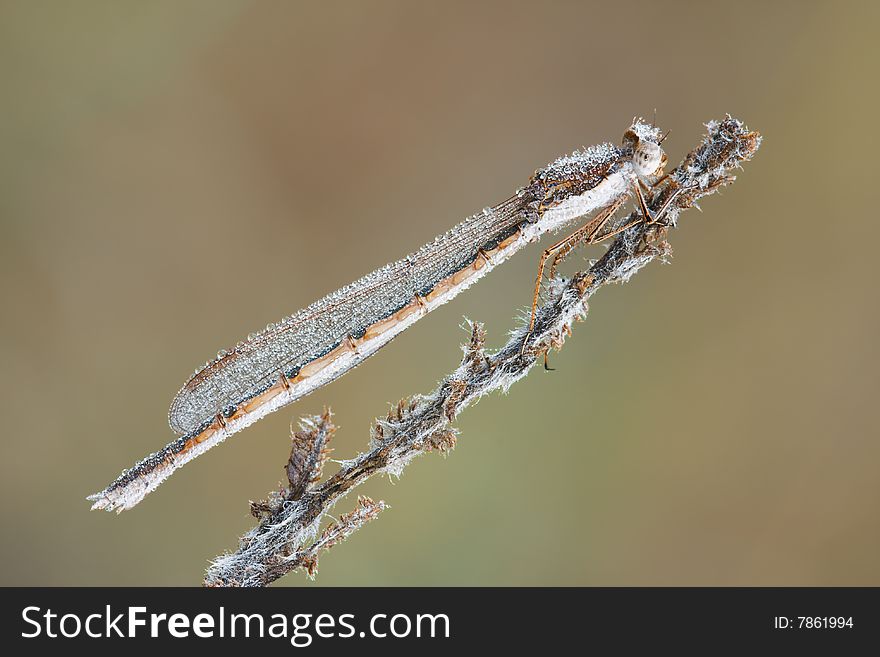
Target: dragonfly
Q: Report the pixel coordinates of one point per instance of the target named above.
(316, 345)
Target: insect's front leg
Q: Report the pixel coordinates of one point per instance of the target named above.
(643, 207)
(656, 219)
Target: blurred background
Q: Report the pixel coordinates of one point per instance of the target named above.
(174, 175)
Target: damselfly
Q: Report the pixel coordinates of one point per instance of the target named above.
(314, 346)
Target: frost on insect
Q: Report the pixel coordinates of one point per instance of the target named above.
(569, 187)
(312, 347)
(420, 423)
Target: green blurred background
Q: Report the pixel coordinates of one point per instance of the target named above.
(174, 175)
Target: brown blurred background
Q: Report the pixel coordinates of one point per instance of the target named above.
(174, 175)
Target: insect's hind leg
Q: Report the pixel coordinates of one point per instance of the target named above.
(571, 242)
(587, 235)
(546, 254)
(561, 249)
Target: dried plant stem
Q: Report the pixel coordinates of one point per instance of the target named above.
(290, 519)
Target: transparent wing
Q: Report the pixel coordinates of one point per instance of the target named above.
(256, 363)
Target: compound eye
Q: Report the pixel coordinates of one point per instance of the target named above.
(647, 158)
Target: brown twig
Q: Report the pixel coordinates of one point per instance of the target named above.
(290, 519)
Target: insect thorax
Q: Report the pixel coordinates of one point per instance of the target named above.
(575, 174)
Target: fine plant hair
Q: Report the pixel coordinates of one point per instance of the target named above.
(286, 537)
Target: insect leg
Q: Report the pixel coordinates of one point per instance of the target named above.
(643, 207)
(585, 234)
(547, 253)
(564, 247)
(657, 219)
